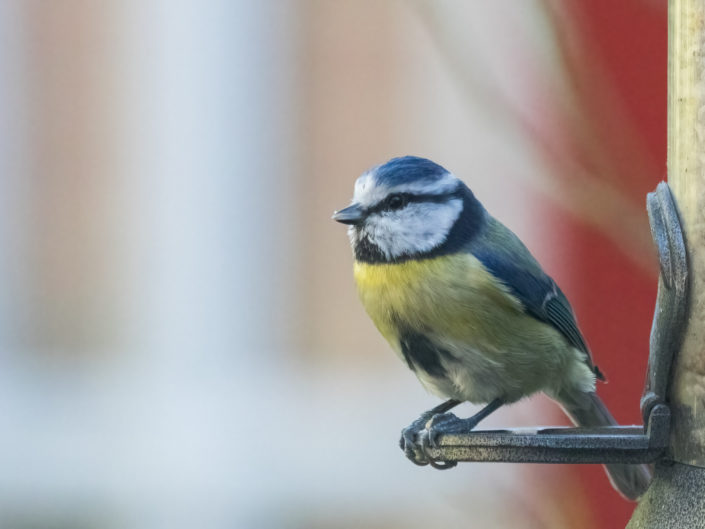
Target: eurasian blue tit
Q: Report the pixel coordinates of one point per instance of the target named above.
(466, 306)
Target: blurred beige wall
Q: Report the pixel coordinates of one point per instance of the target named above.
(175, 172)
(74, 268)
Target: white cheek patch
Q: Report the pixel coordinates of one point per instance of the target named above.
(417, 228)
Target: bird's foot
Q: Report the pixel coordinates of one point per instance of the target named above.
(448, 423)
(409, 441)
(412, 437)
(440, 424)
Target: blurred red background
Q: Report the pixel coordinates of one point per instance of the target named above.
(618, 54)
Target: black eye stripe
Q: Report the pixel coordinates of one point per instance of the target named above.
(411, 197)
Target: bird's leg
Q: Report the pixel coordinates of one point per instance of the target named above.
(448, 423)
(410, 433)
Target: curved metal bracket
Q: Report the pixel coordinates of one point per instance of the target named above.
(672, 300)
(612, 444)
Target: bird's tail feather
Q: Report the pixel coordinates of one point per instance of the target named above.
(586, 409)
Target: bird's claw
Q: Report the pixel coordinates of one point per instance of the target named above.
(421, 436)
(426, 447)
(408, 444)
(442, 423)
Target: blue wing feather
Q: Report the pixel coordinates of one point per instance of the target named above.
(506, 257)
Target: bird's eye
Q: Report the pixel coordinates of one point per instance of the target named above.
(396, 202)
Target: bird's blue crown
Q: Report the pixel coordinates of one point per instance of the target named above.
(407, 169)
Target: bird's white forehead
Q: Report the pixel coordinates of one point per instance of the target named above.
(369, 192)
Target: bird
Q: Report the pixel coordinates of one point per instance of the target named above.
(466, 306)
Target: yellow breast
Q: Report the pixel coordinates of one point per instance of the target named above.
(452, 296)
(491, 347)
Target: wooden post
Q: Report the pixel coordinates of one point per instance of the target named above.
(686, 176)
(676, 498)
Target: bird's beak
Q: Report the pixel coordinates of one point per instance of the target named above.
(350, 215)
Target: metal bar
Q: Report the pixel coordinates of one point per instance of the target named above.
(611, 444)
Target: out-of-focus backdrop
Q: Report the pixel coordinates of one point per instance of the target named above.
(180, 339)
